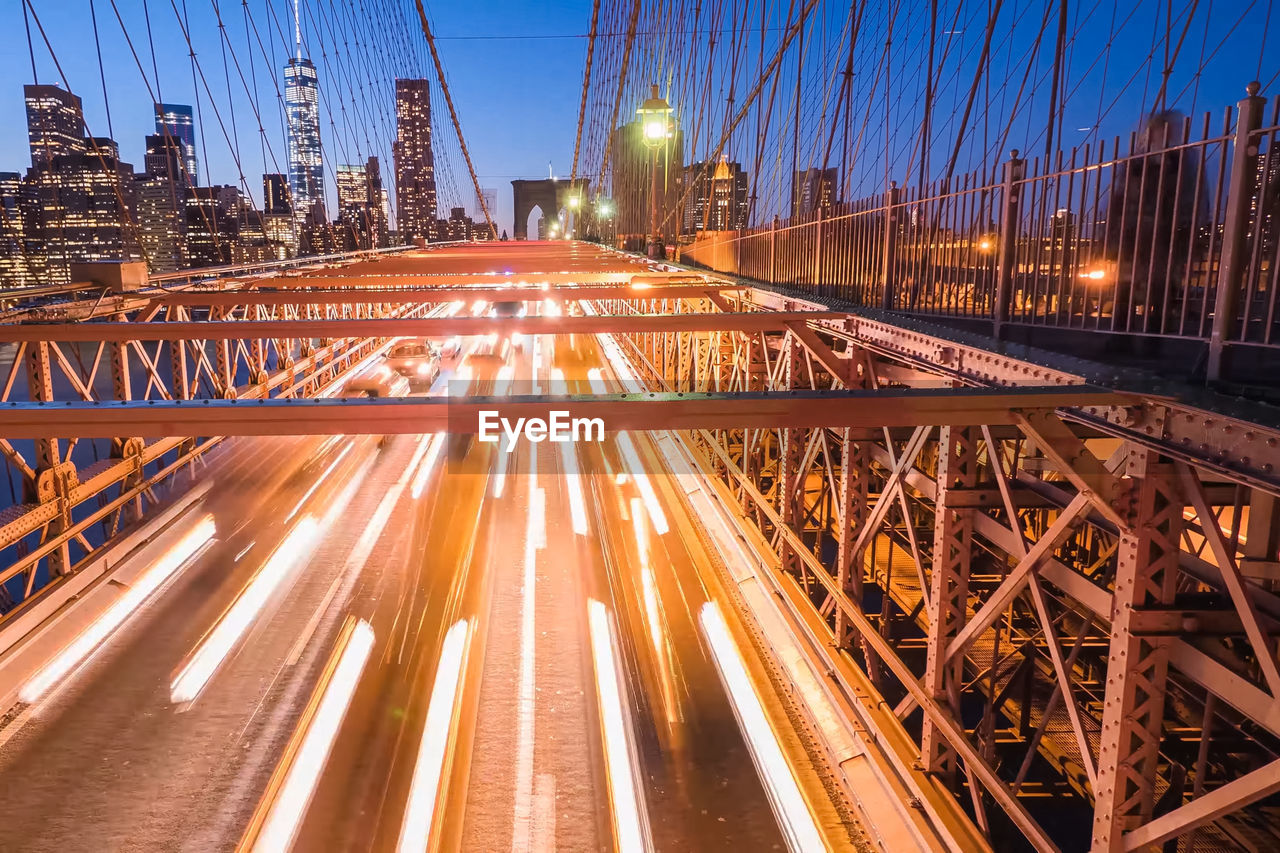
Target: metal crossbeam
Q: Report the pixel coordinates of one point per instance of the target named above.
(370, 277)
(334, 294)
(752, 410)
(210, 330)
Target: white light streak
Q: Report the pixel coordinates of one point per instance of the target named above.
(428, 463)
(573, 482)
(428, 770)
(219, 642)
(631, 459)
(461, 382)
(535, 538)
(630, 823)
(558, 385)
(478, 307)
(596, 378)
(101, 628)
(281, 824)
(320, 480)
(794, 817)
(502, 387)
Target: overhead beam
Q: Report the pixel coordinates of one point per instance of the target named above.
(369, 277)
(413, 415)
(384, 294)
(209, 330)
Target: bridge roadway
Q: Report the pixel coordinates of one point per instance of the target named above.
(107, 759)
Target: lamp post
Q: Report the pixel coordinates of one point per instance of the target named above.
(656, 128)
(604, 217)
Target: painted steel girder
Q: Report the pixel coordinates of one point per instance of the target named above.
(756, 410)
(388, 296)
(397, 327)
(1228, 445)
(636, 277)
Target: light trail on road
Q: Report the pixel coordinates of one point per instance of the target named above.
(528, 665)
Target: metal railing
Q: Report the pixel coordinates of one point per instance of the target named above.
(1170, 233)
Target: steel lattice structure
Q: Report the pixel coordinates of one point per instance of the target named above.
(1079, 579)
(1025, 585)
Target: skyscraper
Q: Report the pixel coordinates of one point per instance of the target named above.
(162, 204)
(813, 190)
(414, 160)
(302, 114)
(55, 123)
(85, 196)
(275, 195)
(378, 223)
(22, 258)
(353, 192)
(177, 122)
(277, 216)
(717, 198)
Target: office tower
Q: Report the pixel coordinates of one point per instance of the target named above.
(813, 190)
(208, 237)
(414, 160)
(716, 198)
(378, 218)
(302, 116)
(633, 181)
(162, 204)
(177, 122)
(22, 256)
(55, 123)
(353, 193)
(85, 196)
(277, 216)
(275, 194)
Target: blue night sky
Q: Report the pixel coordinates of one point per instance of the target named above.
(515, 69)
(517, 97)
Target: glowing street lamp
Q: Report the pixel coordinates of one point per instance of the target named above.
(657, 127)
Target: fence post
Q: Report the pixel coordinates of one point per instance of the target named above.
(1231, 267)
(889, 255)
(1015, 169)
(773, 252)
(817, 252)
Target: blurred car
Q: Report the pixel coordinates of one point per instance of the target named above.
(451, 347)
(375, 383)
(507, 309)
(416, 361)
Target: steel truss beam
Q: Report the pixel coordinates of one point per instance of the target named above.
(370, 277)
(1089, 596)
(214, 330)
(419, 294)
(414, 415)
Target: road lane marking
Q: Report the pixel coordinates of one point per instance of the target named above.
(219, 642)
(631, 460)
(359, 554)
(277, 830)
(789, 806)
(544, 814)
(535, 538)
(630, 821)
(429, 463)
(437, 738)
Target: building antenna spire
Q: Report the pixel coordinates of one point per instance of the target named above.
(297, 30)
